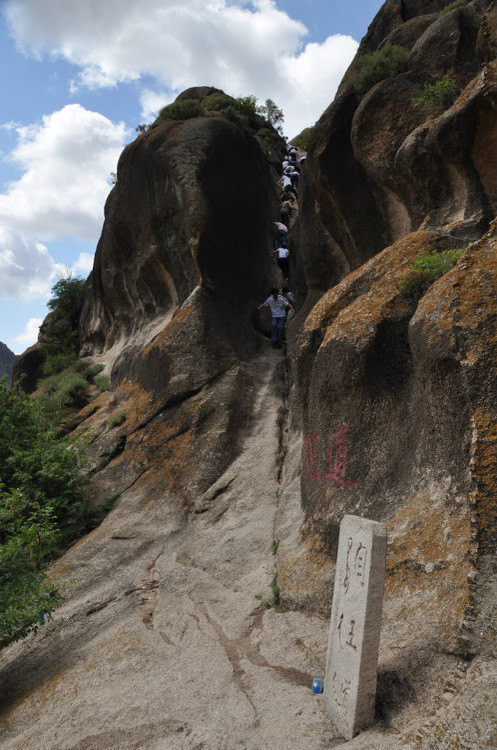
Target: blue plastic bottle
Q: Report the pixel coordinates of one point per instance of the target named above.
(317, 685)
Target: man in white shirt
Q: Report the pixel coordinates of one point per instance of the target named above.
(278, 306)
(282, 259)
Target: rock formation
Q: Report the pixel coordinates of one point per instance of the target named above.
(164, 641)
(6, 361)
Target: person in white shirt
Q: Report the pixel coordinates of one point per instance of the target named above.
(278, 306)
(282, 259)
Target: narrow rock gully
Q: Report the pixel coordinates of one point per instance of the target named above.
(170, 637)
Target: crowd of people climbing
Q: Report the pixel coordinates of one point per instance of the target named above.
(281, 301)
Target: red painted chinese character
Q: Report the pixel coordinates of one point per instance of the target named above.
(311, 457)
(337, 458)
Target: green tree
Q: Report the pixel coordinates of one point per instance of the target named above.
(272, 113)
(28, 534)
(59, 332)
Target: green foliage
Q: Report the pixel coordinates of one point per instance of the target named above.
(102, 382)
(64, 392)
(428, 268)
(59, 332)
(43, 506)
(28, 534)
(274, 600)
(242, 111)
(384, 63)
(117, 419)
(274, 546)
(272, 114)
(94, 370)
(440, 93)
(185, 109)
(301, 141)
(56, 363)
(452, 6)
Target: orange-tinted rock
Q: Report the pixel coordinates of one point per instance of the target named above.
(398, 405)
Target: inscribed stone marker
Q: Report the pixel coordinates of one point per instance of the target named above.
(352, 659)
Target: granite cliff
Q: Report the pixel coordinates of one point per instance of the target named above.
(385, 409)
(6, 361)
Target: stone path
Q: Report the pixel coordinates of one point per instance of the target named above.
(164, 641)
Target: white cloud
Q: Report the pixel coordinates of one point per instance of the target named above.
(152, 101)
(30, 334)
(67, 160)
(241, 47)
(84, 263)
(26, 267)
(315, 75)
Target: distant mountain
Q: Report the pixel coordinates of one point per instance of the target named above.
(6, 361)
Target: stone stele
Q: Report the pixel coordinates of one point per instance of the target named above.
(351, 663)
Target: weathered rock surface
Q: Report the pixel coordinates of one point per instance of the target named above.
(379, 167)
(164, 641)
(6, 361)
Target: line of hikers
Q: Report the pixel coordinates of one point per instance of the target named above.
(281, 302)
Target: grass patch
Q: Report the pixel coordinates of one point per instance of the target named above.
(117, 419)
(428, 268)
(451, 6)
(384, 63)
(102, 382)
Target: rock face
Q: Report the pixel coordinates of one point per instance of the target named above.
(6, 361)
(380, 167)
(232, 474)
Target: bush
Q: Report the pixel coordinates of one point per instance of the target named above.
(66, 391)
(28, 534)
(117, 419)
(185, 109)
(94, 370)
(102, 382)
(452, 6)
(39, 465)
(384, 63)
(440, 93)
(428, 268)
(56, 363)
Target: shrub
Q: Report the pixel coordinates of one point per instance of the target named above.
(102, 382)
(440, 93)
(185, 109)
(428, 268)
(39, 465)
(28, 534)
(117, 419)
(384, 63)
(67, 390)
(94, 370)
(452, 6)
(56, 363)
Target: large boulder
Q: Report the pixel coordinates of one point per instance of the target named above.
(380, 167)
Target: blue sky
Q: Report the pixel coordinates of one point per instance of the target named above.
(78, 76)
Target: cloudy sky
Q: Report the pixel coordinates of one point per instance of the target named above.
(78, 76)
